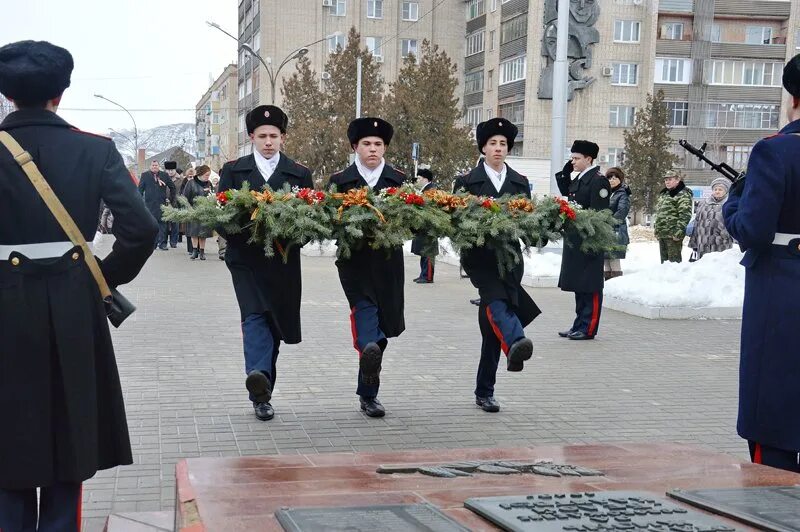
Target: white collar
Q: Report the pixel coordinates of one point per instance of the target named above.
(370, 176)
(266, 166)
(497, 178)
(591, 167)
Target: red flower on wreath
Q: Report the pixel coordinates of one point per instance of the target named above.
(223, 197)
(487, 203)
(310, 196)
(413, 199)
(565, 209)
(392, 191)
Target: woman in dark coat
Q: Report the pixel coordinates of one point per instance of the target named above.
(620, 205)
(505, 307)
(198, 186)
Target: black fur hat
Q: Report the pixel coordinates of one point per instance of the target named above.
(369, 126)
(34, 71)
(585, 147)
(791, 76)
(266, 115)
(495, 126)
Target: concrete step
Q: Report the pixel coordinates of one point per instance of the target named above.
(141, 522)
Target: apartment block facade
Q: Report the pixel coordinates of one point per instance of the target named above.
(718, 63)
(391, 29)
(216, 121)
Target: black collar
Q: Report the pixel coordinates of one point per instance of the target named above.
(478, 175)
(33, 117)
(285, 165)
(389, 174)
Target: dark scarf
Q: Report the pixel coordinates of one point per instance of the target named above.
(674, 192)
(205, 184)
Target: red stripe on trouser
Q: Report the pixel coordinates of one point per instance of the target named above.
(430, 270)
(496, 330)
(353, 330)
(595, 314)
(80, 506)
(757, 455)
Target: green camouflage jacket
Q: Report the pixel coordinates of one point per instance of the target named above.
(673, 212)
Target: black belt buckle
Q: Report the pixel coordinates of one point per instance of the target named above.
(794, 247)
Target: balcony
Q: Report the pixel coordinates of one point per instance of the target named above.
(759, 8)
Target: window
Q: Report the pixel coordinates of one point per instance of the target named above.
(491, 39)
(374, 8)
(473, 82)
(241, 90)
(339, 8)
(514, 29)
(758, 35)
(410, 10)
(513, 112)
(742, 116)
(242, 126)
(475, 8)
(677, 113)
(621, 115)
(744, 73)
(673, 70)
(797, 40)
(408, 46)
(249, 84)
(616, 156)
(475, 43)
(626, 30)
(335, 42)
(716, 33)
(512, 70)
(474, 115)
(242, 58)
(489, 114)
(257, 41)
(374, 46)
(737, 156)
(672, 31)
(494, 5)
(625, 74)
(490, 80)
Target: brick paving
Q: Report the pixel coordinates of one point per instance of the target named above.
(181, 365)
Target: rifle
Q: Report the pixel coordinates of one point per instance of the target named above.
(722, 168)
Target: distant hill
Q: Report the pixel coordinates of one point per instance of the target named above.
(156, 140)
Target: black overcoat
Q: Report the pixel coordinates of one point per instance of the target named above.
(369, 274)
(583, 272)
(61, 405)
(265, 285)
(419, 243)
(157, 190)
(480, 264)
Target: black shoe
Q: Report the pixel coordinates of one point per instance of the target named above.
(195, 254)
(370, 364)
(173, 245)
(163, 248)
(417, 280)
(580, 335)
(487, 404)
(520, 351)
(564, 334)
(423, 281)
(222, 257)
(476, 302)
(259, 386)
(263, 411)
(372, 407)
(202, 254)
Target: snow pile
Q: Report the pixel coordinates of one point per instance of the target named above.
(717, 280)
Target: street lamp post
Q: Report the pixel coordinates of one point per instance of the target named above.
(135, 130)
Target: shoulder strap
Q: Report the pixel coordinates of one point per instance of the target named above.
(66, 222)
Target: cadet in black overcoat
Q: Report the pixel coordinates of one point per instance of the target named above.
(419, 243)
(61, 406)
(267, 289)
(372, 279)
(505, 307)
(157, 189)
(581, 272)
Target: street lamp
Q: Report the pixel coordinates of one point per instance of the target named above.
(135, 130)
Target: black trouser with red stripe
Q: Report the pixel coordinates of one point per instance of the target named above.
(500, 328)
(426, 268)
(59, 509)
(774, 457)
(365, 327)
(587, 312)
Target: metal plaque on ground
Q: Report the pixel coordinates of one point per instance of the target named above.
(600, 511)
(387, 517)
(772, 508)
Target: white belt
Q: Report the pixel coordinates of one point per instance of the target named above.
(783, 239)
(45, 250)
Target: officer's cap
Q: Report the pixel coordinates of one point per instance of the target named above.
(791, 76)
(369, 126)
(170, 165)
(266, 115)
(34, 71)
(585, 147)
(495, 126)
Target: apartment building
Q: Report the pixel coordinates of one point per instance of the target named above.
(391, 29)
(216, 121)
(717, 61)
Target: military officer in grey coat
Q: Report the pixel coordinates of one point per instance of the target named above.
(581, 272)
(61, 407)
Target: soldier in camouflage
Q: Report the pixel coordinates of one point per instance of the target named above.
(673, 212)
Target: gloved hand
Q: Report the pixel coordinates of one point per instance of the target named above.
(737, 188)
(568, 169)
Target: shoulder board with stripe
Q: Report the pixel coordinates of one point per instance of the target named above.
(75, 129)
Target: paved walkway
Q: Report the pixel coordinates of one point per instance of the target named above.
(181, 364)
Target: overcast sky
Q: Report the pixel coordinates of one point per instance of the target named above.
(143, 54)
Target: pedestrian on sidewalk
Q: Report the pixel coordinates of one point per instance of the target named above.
(268, 290)
(582, 273)
(372, 279)
(157, 188)
(61, 406)
(709, 234)
(763, 215)
(198, 186)
(189, 175)
(620, 205)
(173, 228)
(419, 244)
(673, 212)
(505, 308)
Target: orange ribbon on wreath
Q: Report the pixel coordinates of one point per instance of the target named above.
(445, 200)
(266, 197)
(356, 198)
(520, 204)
